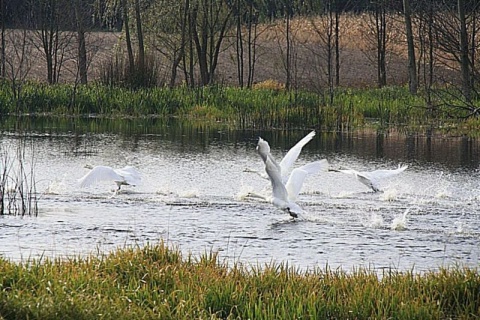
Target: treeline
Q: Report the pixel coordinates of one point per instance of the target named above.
(185, 39)
(107, 14)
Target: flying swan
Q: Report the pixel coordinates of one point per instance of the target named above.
(125, 176)
(372, 178)
(285, 194)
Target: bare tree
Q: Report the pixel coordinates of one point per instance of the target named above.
(141, 46)
(18, 62)
(379, 22)
(2, 38)
(412, 69)
(128, 38)
(209, 22)
(166, 33)
(327, 51)
(53, 43)
(424, 19)
(464, 51)
(454, 30)
(81, 45)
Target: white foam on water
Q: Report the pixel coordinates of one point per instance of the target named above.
(400, 222)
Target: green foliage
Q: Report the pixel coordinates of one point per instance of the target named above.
(264, 106)
(157, 282)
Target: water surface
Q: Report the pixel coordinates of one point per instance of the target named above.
(194, 197)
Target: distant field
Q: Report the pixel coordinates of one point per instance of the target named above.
(357, 69)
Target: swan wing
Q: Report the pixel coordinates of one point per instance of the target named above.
(295, 183)
(294, 152)
(297, 177)
(99, 173)
(316, 166)
(384, 174)
(131, 175)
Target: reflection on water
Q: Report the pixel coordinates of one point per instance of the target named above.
(194, 196)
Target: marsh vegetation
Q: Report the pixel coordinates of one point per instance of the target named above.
(156, 281)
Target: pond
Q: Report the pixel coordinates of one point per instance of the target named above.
(194, 196)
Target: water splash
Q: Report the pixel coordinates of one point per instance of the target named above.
(243, 193)
(400, 222)
(56, 187)
(376, 221)
(389, 195)
(192, 193)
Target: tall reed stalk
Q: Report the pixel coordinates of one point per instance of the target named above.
(18, 194)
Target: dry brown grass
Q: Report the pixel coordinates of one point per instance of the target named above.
(357, 55)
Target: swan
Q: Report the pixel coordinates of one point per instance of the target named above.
(372, 178)
(125, 176)
(285, 194)
(287, 162)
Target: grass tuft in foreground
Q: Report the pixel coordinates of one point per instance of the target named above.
(157, 282)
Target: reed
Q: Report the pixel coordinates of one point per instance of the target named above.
(155, 281)
(267, 105)
(18, 194)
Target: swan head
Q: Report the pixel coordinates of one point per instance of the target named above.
(88, 166)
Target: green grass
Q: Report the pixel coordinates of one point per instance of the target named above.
(155, 281)
(261, 107)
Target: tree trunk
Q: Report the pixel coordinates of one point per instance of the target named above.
(131, 60)
(288, 53)
(239, 44)
(381, 25)
(412, 69)
(252, 43)
(141, 47)
(82, 51)
(337, 46)
(2, 39)
(464, 60)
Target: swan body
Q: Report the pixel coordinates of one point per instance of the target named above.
(125, 176)
(285, 194)
(372, 178)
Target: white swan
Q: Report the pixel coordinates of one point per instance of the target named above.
(285, 194)
(125, 176)
(289, 158)
(372, 179)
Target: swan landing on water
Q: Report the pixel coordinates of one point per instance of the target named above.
(124, 176)
(372, 178)
(285, 194)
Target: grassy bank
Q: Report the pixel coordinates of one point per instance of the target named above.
(265, 106)
(157, 282)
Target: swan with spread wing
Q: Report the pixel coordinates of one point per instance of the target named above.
(372, 179)
(125, 176)
(284, 194)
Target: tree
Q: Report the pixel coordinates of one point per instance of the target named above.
(18, 62)
(380, 30)
(327, 28)
(412, 69)
(2, 38)
(464, 51)
(454, 29)
(166, 33)
(209, 22)
(81, 45)
(53, 42)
